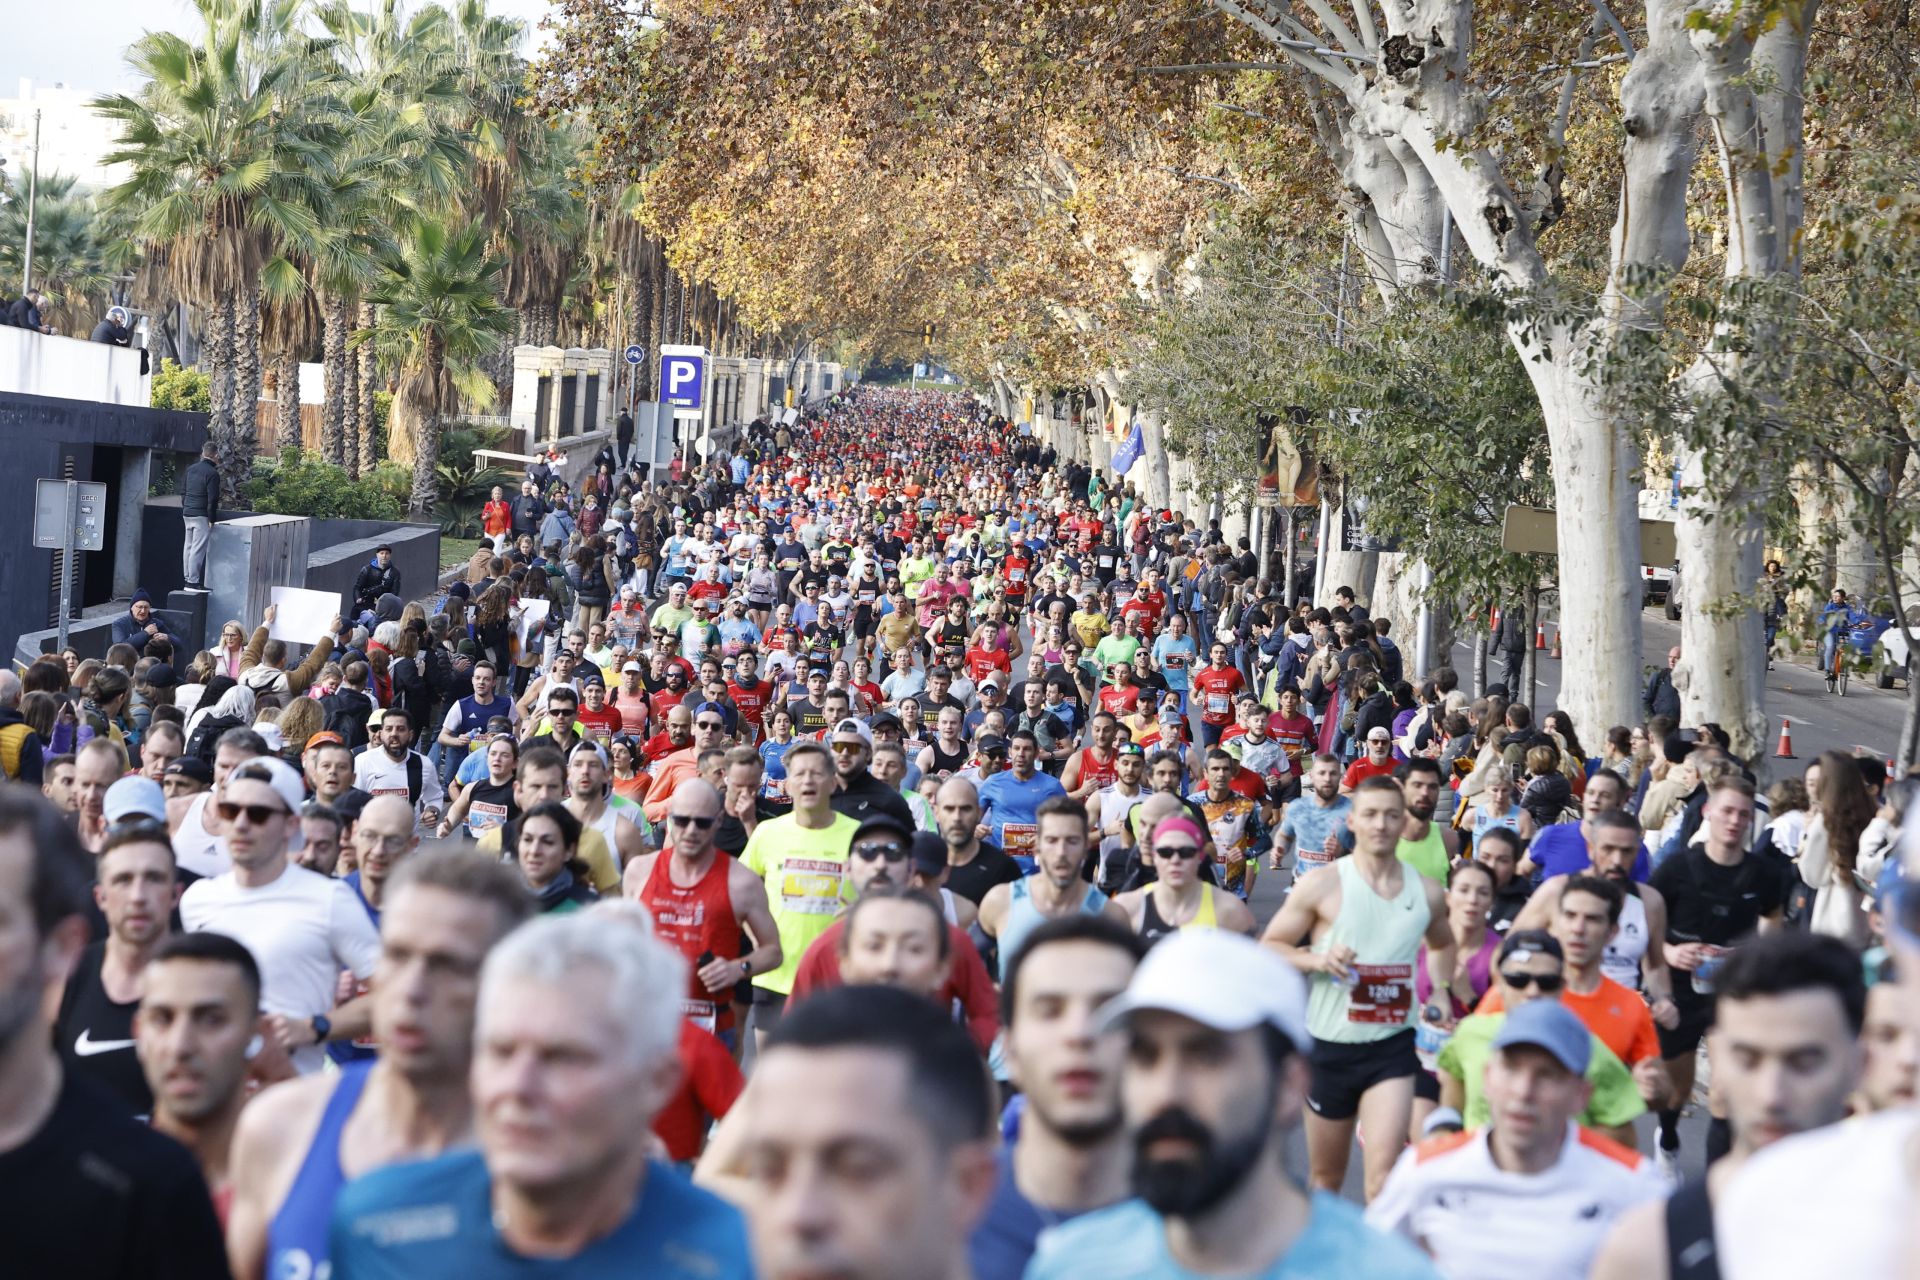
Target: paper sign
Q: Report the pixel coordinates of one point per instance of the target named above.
(301, 616)
(533, 615)
(790, 417)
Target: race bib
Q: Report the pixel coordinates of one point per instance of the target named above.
(811, 886)
(483, 817)
(1019, 837)
(701, 1013)
(1218, 704)
(1382, 994)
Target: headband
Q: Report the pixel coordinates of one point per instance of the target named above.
(1178, 823)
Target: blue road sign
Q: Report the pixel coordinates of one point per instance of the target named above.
(683, 376)
(636, 353)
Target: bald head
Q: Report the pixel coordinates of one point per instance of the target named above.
(692, 811)
(1154, 808)
(388, 814)
(957, 791)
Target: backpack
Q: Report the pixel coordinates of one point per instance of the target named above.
(206, 736)
(347, 715)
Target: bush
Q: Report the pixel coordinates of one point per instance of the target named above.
(178, 388)
(298, 484)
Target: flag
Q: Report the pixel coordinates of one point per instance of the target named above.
(1129, 453)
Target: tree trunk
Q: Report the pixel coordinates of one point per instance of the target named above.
(643, 329)
(336, 369)
(247, 377)
(286, 402)
(426, 456)
(657, 289)
(362, 422)
(218, 352)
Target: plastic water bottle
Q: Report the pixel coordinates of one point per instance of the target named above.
(1703, 975)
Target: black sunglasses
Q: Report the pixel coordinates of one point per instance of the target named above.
(709, 724)
(688, 820)
(875, 849)
(257, 814)
(1545, 983)
(1178, 852)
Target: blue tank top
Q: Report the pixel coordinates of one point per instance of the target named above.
(1023, 917)
(297, 1236)
(474, 715)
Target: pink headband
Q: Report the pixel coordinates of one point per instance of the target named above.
(1177, 823)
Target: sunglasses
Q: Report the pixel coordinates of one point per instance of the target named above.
(688, 820)
(873, 850)
(709, 724)
(257, 814)
(1178, 852)
(1545, 983)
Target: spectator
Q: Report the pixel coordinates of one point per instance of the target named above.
(138, 625)
(378, 577)
(113, 329)
(25, 312)
(199, 501)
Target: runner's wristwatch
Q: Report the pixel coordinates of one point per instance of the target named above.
(322, 1028)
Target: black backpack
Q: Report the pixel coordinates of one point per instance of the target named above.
(206, 736)
(347, 715)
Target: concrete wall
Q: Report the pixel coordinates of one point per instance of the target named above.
(43, 364)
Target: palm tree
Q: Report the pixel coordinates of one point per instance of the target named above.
(438, 314)
(229, 146)
(69, 255)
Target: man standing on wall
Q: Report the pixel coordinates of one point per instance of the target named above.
(199, 501)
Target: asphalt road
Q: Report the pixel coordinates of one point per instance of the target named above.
(1867, 717)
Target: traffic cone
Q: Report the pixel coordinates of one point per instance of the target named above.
(1785, 750)
(1556, 643)
(1539, 634)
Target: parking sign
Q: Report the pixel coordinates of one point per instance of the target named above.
(683, 379)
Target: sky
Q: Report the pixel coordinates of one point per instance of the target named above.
(81, 42)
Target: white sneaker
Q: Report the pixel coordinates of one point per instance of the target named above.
(1667, 1162)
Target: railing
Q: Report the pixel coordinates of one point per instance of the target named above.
(45, 364)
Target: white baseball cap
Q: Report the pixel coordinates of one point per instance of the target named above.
(1222, 980)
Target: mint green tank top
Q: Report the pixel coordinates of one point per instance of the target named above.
(1385, 935)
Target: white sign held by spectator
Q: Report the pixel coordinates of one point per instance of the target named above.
(533, 615)
(301, 616)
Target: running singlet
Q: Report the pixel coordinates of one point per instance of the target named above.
(492, 806)
(297, 1236)
(698, 921)
(1092, 770)
(1385, 936)
(1153, 928)
(1023, 917)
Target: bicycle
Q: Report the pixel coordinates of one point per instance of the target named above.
(1838, 670)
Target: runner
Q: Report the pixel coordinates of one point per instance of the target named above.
(1178, 899)
(1788, 1012)
(94, 1027)
(1312, 826)
(1429, 847)
(1356, 930)
(1613, 845)
(974, 866)
(1213, 1088)
(711, 909)
(541, 778)
(1013, 798)
(575, 1046)
(1534, 1194)
(1717, 895)
(1111, 810)
(298, 1144)
(1236, 824)
(802, 861)
(1093, 767)
(199, 1006)
(90, 1192)
(1055, 888)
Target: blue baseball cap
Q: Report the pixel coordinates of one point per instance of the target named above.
(1549, 1025)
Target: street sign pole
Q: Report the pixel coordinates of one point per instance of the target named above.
(66, 561)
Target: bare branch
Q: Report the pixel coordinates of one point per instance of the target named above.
(1619, 32)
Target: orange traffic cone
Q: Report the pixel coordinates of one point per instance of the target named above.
(1785, 750)
(1539, 634)
(1556, 643)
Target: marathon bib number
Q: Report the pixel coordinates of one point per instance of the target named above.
(1175, 662)
(1016, 575)
(390, 791)
(701, 1013)
(483, 817)
(1382, 994)
(1020, 837)
(811, 886)
(1218, 704)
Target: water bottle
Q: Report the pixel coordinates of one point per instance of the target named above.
(1703, 975)
(1428, 1041)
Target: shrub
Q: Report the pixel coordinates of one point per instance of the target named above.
(298, 484)
(178, 388)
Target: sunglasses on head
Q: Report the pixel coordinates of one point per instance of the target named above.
(872, 850)
(688, 820)
(257, 814)
(1545, 983)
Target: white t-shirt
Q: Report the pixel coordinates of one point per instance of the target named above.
(379, 774)
(195, 848)
(1834, 1202)
(302, 929)
(1478, 1220)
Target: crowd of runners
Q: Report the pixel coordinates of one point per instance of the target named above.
(890, 851)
